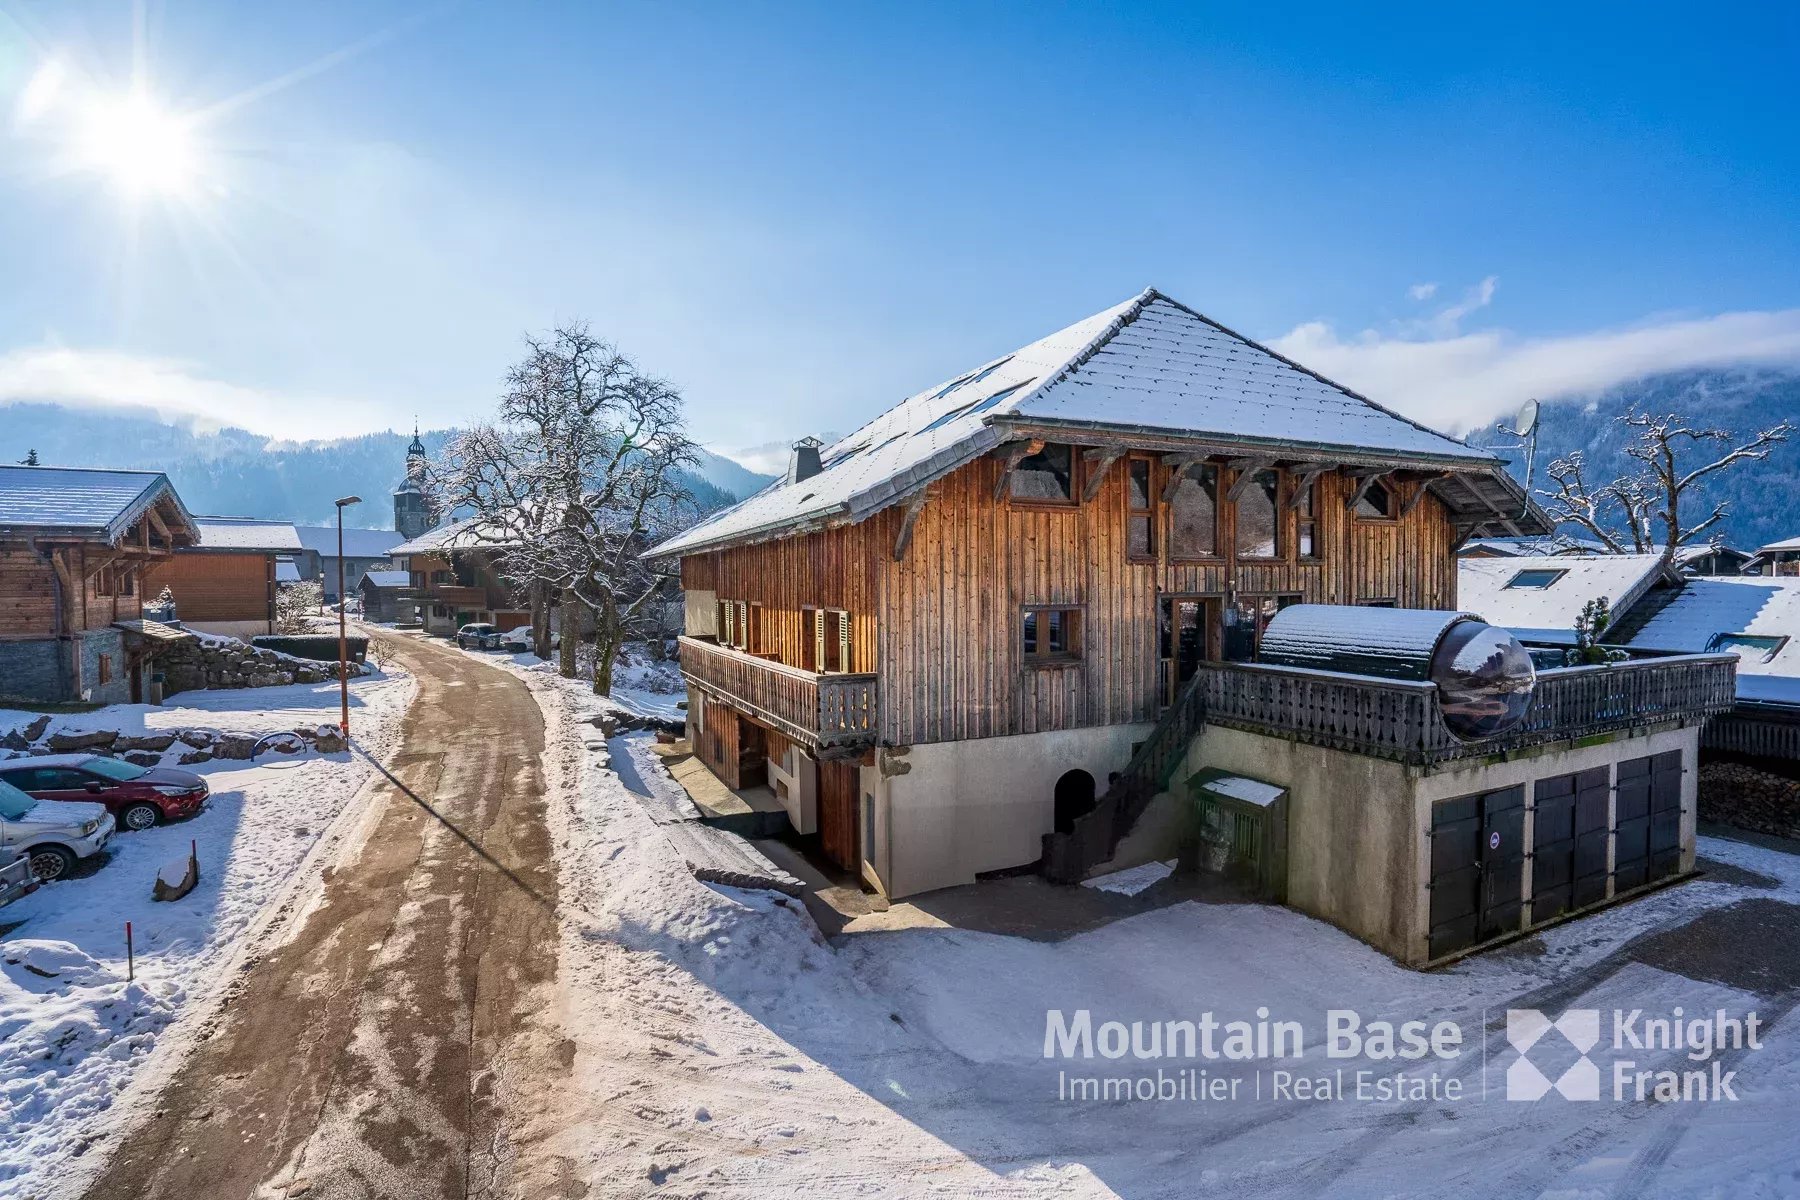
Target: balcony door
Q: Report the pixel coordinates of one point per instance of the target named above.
(1189, 633)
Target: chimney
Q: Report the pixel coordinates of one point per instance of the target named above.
(803, 463)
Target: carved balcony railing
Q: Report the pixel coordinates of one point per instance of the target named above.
(1399, 720)
(821, 712)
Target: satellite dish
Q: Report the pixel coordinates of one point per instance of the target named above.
(1527, 421)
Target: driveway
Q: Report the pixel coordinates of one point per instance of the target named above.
(378, 1049)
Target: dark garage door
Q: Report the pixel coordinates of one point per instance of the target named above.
(1568, 851)
(1477, 868)
(1648, 820)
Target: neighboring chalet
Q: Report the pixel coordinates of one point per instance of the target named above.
(1539, 597)
(455, 578)
(1776, 558)
(365, 550)
(1012, 621)
(383, 596)
(225, 583)
(75, 546)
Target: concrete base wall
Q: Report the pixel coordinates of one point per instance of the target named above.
(1359, 851)
(243, 630)
(946, 811)
(795, 781)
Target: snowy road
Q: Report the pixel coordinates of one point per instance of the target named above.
(369, 1053)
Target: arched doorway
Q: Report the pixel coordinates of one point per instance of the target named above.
(1074, 798)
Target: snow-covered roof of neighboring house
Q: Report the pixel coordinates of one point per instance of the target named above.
(1539, 596)
(1150, 368)
(471, 534)
(287, 571)
(388, 579)
(246, 535)
(82, 501)
(1558, 543)
(358, 543)
(1693, 618)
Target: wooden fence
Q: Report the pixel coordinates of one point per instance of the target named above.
(819, 711)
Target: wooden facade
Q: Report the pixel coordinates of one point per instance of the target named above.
(96, 585)
(219, 586)
(940, 621)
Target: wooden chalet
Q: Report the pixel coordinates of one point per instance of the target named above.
(962, 632)
(76, 546)
(455, 578)
(225, 583)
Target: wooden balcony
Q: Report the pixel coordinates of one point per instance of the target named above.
(447, 593)
(821, 712)
(1399, 720)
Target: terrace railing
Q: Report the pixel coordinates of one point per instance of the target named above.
(1400, 720)
(821, 712)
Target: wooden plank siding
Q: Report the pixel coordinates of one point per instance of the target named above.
(941, 626)
(27, 594)
(217, 586)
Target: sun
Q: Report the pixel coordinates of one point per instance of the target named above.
(139, 145)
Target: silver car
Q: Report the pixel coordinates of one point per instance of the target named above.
(53, 835)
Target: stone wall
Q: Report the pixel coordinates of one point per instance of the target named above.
(1747, 797)
(214, 663)
(184, 747)
(37, 670)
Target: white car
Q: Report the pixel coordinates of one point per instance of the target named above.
(53, 834)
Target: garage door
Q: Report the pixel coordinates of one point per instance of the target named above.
(1568, 842)
(1648, 820)
(1477, 868)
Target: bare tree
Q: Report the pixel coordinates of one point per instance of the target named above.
(1642, 511)
(579, 475)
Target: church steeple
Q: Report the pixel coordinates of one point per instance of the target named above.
(411, 516)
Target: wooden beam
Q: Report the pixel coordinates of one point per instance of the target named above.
(1099, 463)
(1505, 521)
(1303, 481)
(1011, 456)
(1364, 480)
(1247, 470)
(1179, 465)
(1412, 501)
(913, 507)
(156, 523)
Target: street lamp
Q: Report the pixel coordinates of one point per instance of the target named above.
(343, 644)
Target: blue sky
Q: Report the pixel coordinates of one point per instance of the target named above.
(802, 213)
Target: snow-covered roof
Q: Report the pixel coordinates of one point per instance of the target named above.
(1149, 366)
(358, 543)
(287, 571)
(471, 534)
(1496, 588)
(1558, 543)
(388, 579)
(84, 501)
(1703, 609)
(1792, 543)
(244, 534)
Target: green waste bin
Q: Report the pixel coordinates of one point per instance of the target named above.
(1241, 831)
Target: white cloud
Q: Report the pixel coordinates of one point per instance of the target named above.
(176, 391)
(1456, 381)
(1422, 291)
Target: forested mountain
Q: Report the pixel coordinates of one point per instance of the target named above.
(1764, 496)
(238, 473)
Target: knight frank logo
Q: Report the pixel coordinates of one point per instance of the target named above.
(1574, 1033)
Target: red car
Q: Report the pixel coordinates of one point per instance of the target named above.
(137, 797)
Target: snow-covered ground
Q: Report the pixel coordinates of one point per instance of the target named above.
(724, 1048)
(73, 1033)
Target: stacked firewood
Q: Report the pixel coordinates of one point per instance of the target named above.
(1742, 795)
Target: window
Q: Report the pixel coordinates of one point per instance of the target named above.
(103, 582)
(1385, 602)
(1051, 635)
(127, 582)
(736, 626)
(1140, 510)
(1253, 616)
(1753, 647)
(831, 641)
(977, 406)
(106, 668)
(1535, 578)
(1306, 522)
(1047, 477)
(1377, 502)
(1259, 517)
(1194, 514)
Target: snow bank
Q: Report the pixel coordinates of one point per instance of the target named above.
(74, 1033)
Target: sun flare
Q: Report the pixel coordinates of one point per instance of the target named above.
(139, 145)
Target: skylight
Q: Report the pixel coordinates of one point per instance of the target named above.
(977, 406)
(1535, 578)
(841, 455)
(1752, 647)
(971, 377)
